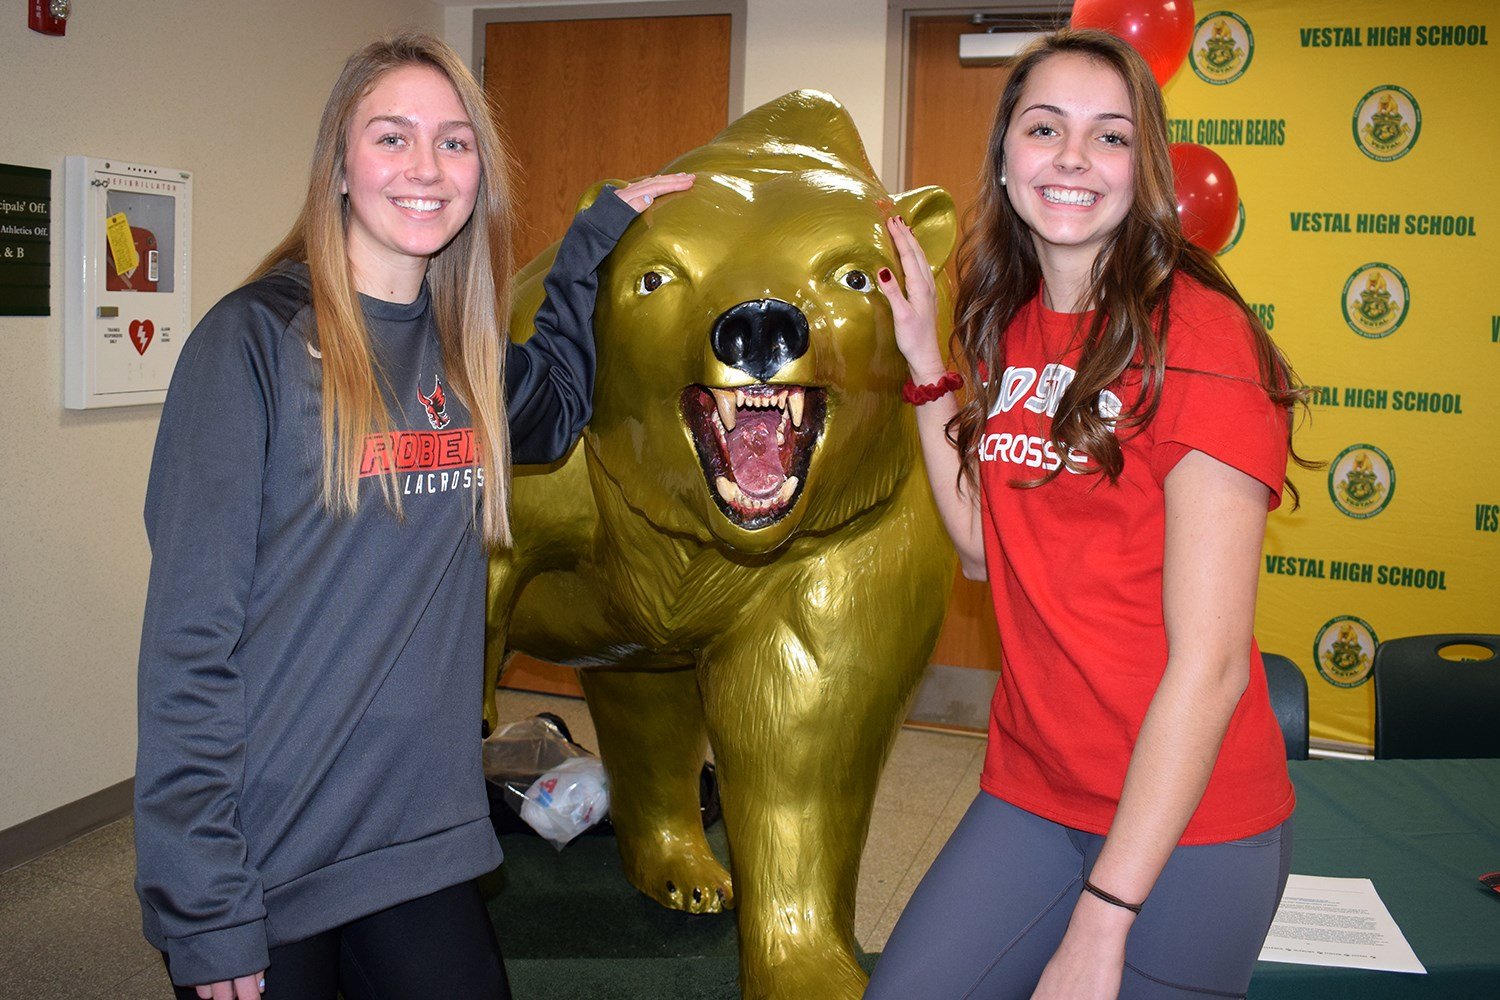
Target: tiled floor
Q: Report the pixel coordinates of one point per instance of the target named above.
(70, 925)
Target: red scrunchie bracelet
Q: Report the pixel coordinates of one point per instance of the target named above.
(916, 395)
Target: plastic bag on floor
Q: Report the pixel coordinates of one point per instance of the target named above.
(565, 801)
(555, 785)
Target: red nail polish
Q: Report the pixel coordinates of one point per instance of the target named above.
(885, 274)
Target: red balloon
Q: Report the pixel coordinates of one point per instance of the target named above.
(1160, 30)
(1208, 199)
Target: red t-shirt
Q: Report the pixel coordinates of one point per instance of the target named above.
(1075, 567)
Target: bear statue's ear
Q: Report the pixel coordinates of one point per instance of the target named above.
(933, 218)
(592, 194)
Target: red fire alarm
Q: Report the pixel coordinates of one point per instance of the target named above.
(50, 17)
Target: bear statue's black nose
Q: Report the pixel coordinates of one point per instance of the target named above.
(760, 337)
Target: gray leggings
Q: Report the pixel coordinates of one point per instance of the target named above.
(992, 909)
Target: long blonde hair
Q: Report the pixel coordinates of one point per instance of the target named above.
(467, 279)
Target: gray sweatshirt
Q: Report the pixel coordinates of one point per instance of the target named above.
(310, 684)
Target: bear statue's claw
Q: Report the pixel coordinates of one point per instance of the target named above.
(688, 879)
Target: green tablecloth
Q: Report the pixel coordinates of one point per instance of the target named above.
(1422, 831)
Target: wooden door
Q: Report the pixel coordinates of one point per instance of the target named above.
(582, 101)
(950, 108)
(586, 100)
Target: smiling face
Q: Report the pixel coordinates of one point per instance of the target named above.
(411, 174)
(1068, 159)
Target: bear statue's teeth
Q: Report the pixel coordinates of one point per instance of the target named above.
(731, 494)
(790, 401)
(724, 399)
(733, 429)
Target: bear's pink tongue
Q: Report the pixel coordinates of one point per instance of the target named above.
(754, 454)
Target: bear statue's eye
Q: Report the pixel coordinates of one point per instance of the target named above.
(650, 282)
(857, 280)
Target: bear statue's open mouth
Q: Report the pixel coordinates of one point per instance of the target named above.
(754, 443)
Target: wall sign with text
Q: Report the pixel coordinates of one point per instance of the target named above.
(25, 240)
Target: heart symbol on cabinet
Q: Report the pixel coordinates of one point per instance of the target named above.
(141, 332)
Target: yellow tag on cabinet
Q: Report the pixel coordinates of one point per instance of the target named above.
(117, 231)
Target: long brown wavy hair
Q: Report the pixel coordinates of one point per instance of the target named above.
(467, 281)
(1128, 289)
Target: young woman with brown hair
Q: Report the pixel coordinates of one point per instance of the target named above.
(1125, 429)
(331, 469)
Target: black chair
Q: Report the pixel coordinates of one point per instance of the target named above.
(1288, 689)
(1428, 704)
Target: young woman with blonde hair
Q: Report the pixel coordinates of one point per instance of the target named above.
(331, 469)
(1125, 429)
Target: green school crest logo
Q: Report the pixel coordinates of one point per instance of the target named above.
(1375, 300)
(1345, 650)
(1222, 47)
(1361, 481)
(1239, 230)
(1387, 122)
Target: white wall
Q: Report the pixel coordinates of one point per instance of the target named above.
(232, 92)
(833, 45)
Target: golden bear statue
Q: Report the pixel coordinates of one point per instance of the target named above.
(743, 549)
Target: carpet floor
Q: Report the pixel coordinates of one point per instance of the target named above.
(572, 928)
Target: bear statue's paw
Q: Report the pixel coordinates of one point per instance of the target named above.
(680, 875)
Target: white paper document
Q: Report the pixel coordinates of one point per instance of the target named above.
(1337, 921)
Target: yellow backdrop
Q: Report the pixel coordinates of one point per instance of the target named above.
(1362, 139)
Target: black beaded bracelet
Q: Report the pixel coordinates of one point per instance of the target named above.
(1093, 889)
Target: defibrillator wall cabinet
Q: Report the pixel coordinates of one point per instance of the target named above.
(126, 289)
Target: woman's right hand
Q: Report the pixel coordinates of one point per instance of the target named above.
(914, 309)
(244, 988)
